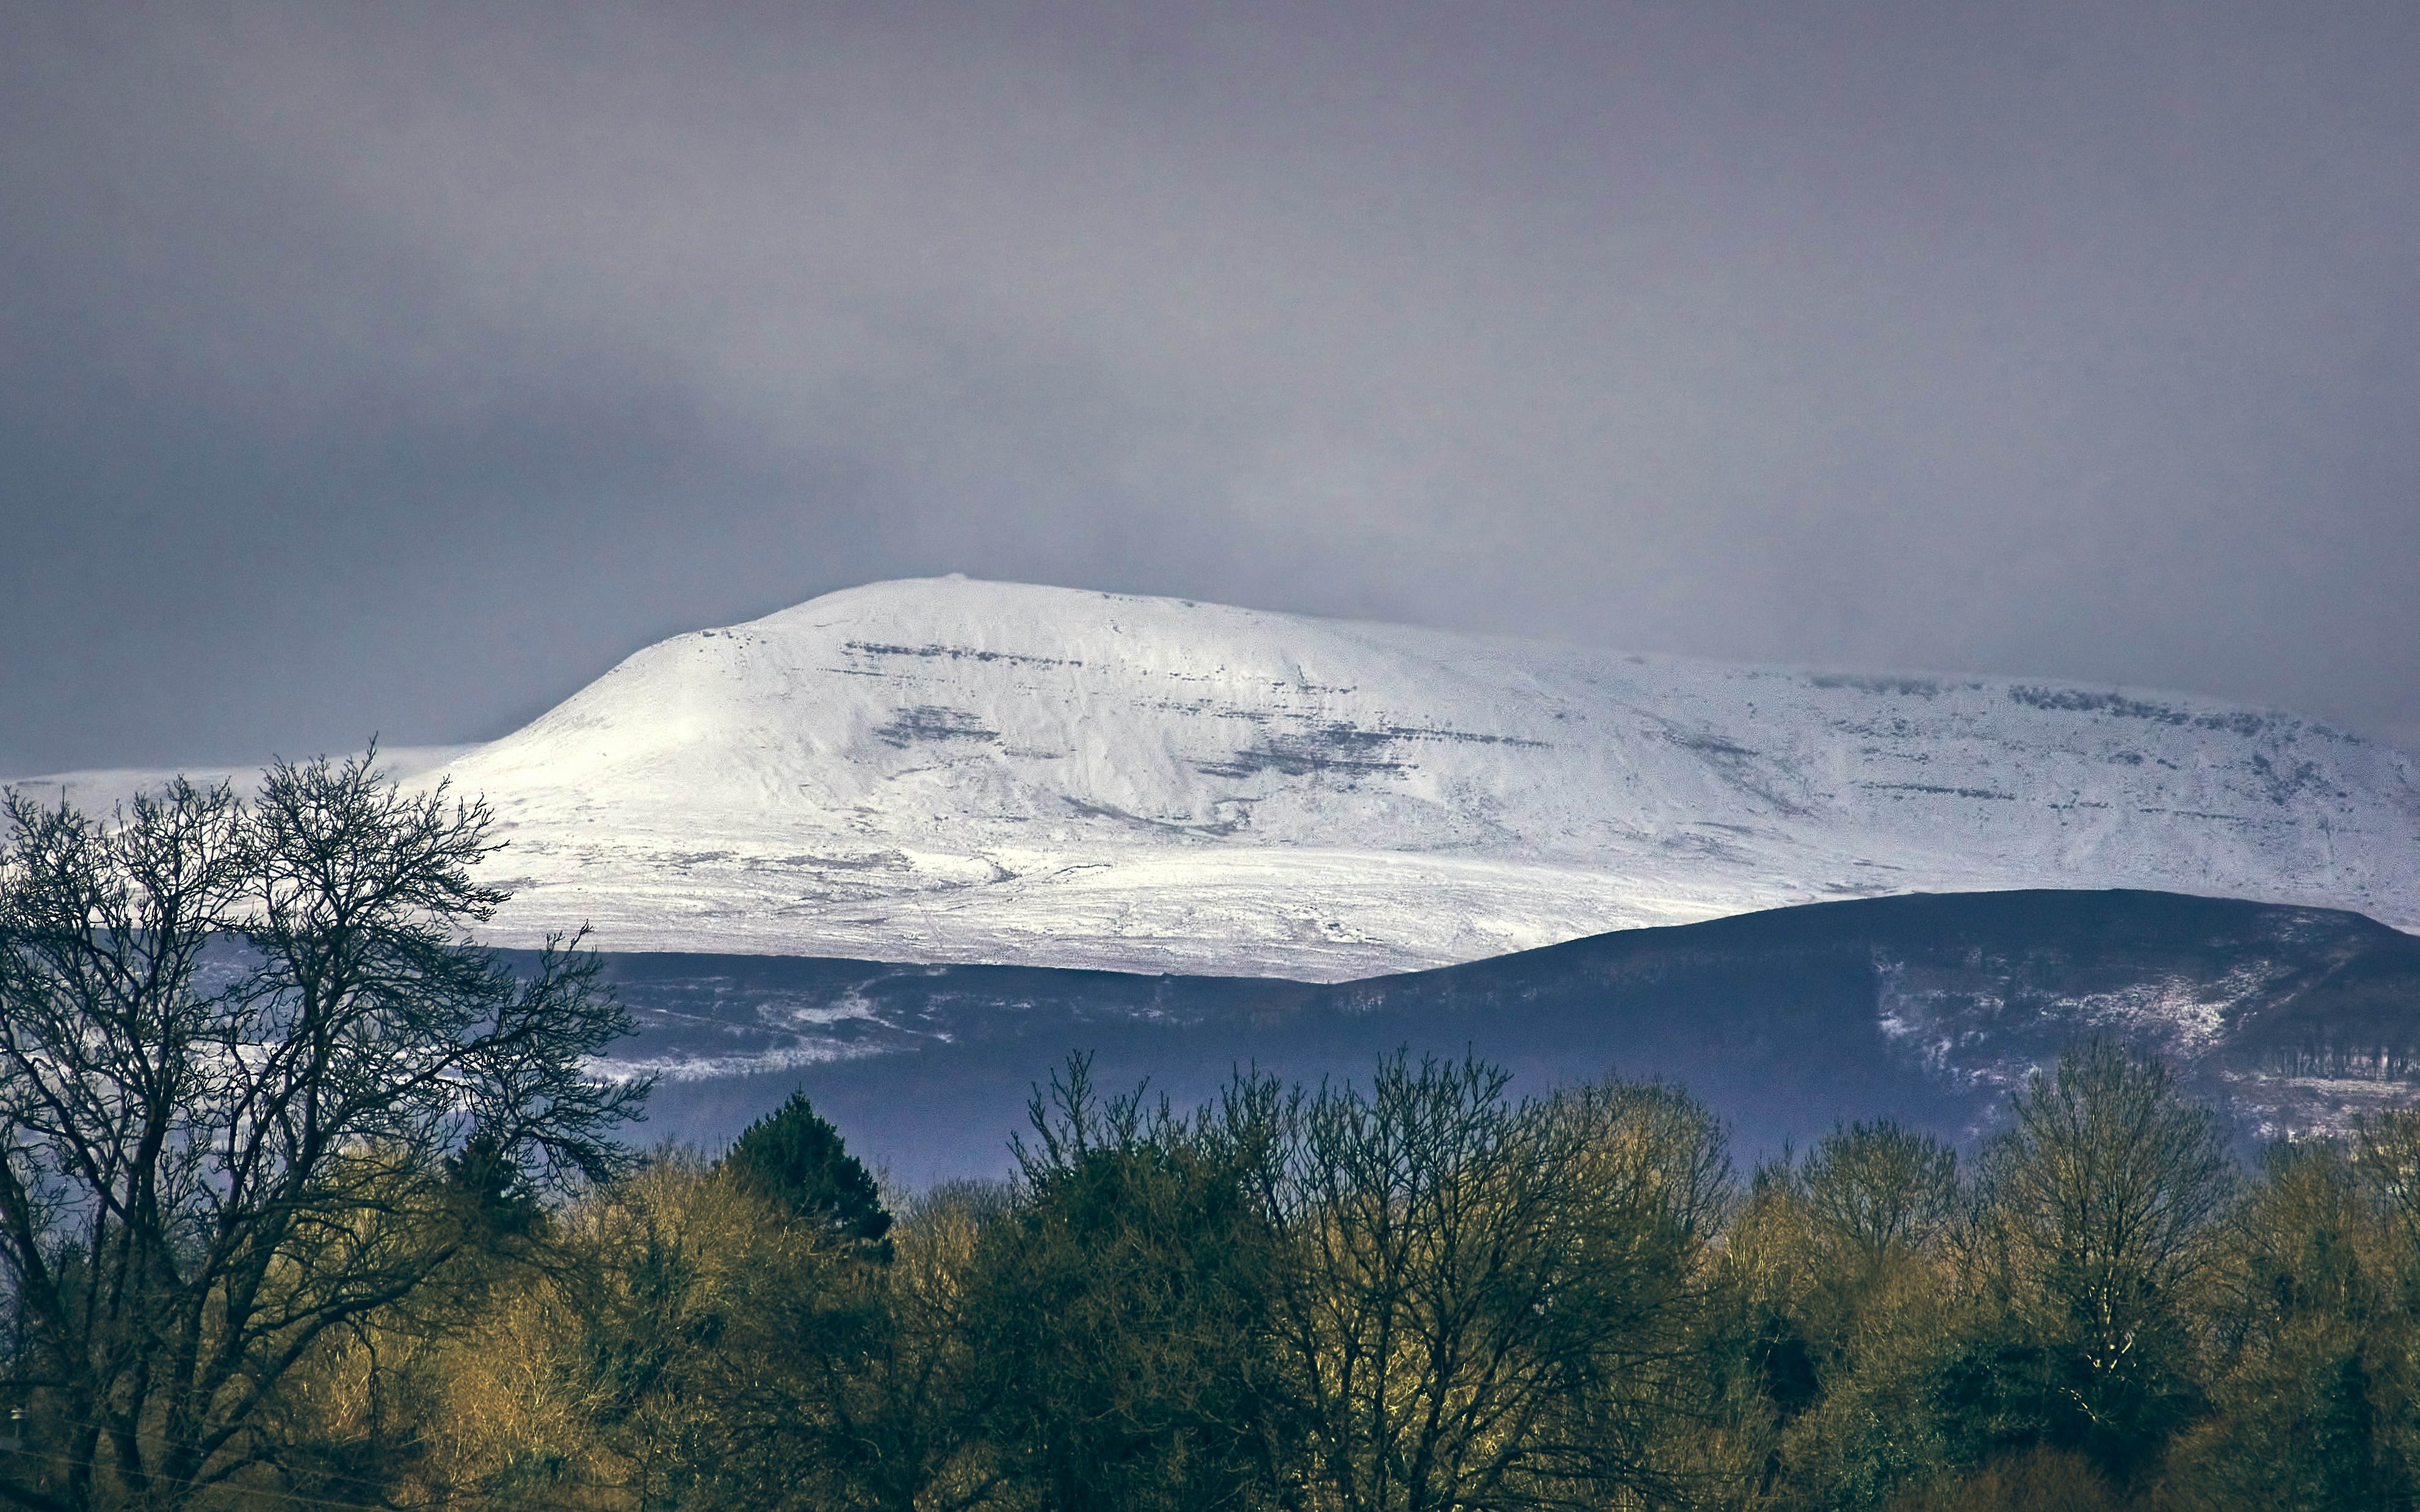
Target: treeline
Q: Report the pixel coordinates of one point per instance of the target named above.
(306, 1202)
(1417, 1293)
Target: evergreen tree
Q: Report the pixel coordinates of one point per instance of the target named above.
(794, 1159)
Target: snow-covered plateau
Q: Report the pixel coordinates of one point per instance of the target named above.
(946, 770)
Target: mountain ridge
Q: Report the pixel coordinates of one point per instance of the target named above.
(952, 770)
(948, 770)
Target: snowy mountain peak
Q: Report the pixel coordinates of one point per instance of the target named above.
(943, 769)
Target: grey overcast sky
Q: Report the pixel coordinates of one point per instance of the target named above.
(399, 367)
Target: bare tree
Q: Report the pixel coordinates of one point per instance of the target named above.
(238, 1042)
(1877, 1187)
(2386, 1152)
(2098, 1226)
(1491, 1304)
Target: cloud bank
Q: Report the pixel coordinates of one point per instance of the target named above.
(398, 371)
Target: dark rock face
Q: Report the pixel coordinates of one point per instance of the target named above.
(1929, 1009)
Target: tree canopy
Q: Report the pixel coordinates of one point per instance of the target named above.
(257, 1085)
(796, 1160)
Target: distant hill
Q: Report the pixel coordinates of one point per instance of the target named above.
(942, 770)
(954, 771)
(1929, 1009)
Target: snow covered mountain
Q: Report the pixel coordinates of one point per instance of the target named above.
(944, 770)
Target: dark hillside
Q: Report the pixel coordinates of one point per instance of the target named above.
(1926, 1007)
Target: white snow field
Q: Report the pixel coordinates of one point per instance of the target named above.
(945, 770)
